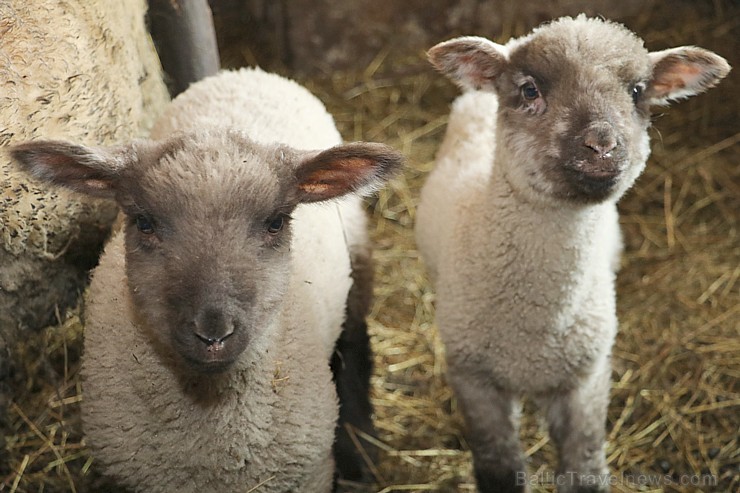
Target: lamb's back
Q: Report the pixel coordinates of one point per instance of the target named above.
(453, 192)
(267, 107)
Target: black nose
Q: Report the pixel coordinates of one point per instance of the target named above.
(213, 326)
(600, 138)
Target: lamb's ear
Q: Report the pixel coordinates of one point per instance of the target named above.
(471, 62)
(360, 167)
(682, 72)
(89, 170)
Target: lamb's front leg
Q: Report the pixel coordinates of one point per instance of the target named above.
(577, 425)
(492, 420)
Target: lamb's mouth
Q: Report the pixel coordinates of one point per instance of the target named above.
(591, 180)
(211, 356)
(212, 366)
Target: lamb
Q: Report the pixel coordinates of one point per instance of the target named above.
(518, 226)
(214, 312)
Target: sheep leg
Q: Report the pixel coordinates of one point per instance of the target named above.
(577, 425)
(352, 366)
(492, 419)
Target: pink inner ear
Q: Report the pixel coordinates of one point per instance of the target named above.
(684, 71)
(97, 184)
(475, 69)
(343, 176)
(467, 60)
(680, 76)
(470, 62)
(315, 188)
(668, 86)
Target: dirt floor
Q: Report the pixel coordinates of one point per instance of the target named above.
(674, 418)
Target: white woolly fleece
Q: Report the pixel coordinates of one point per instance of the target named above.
(277, 408)
(543, 328)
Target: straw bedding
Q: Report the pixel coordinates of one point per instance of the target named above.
(673, 422)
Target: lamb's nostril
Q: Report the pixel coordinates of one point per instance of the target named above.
(600, 139)
(602, 149)
(213, 345)
(213, 326)
(212, 340)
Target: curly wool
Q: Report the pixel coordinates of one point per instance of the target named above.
(270, 419)
(79, 70)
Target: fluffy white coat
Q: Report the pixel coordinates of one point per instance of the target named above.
(275, 423)
(474, 231)
(518, 226)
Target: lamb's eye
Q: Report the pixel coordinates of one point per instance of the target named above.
(637, 90)
(276, 224)
(144, 224)
(529, 91)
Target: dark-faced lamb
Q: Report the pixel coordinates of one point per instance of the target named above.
(518, 227)
(214, 312)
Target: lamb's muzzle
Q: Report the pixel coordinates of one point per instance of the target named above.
(600, 138)
(212, 325)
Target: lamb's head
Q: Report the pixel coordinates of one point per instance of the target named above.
(207, 227)
(574, 102)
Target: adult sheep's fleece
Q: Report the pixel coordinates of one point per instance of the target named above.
(518, 226)
(84, 70)
(214, 313)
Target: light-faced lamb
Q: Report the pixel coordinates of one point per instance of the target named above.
(213, 314)
(518, 226)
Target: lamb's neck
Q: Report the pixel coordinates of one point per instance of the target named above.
(569, 232)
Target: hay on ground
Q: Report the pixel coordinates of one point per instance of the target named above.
(673, 422)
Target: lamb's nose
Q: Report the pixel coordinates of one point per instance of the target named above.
(213, 326)
(601, 139)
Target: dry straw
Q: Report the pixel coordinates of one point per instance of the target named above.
(673, 421)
